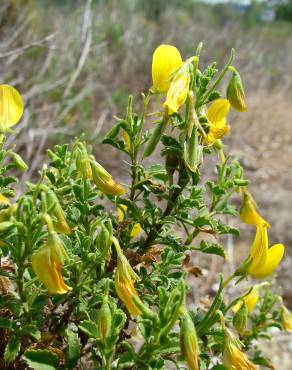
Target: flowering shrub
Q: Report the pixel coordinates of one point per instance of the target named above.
(93, 273)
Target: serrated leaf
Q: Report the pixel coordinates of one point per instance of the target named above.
(73, 350)
(90, 328)
(212, 249)
(41, 359)
(12, 349)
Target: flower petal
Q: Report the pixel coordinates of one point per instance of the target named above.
(259, 250)
(166, 59)
(275, 255)
(218, 110)
(11, 106)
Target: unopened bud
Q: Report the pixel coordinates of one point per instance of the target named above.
(104, 181)
(83, 164)
(240, 319)
(189, 341)
(4, 226)
(249, 213)
(104, 321)
(235, 91)
(59, 221)
(19, 162)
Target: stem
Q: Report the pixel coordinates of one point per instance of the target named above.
(170, 205)
(219, 79)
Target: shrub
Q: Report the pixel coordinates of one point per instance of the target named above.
(95, 274)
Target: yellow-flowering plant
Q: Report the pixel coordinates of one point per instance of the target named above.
(94, 271)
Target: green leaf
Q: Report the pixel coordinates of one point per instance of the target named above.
(12, 349)
(32, 331)
(90, 328)
(73, 349)
(41, 359)
(6, 323)
(209, 248)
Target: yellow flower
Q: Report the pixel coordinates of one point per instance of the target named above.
(249, 213)
(233, 358)
(11, 106)
(189, 341)
(264, 260)
(286, 317)
(136, 230)
(4, 200)
(216, 114)
(251, 299)
(47, 262)
(178, 90)
(166, 59)
(124, 281)
(104, 181)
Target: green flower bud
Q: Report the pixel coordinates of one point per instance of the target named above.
(19, 162)
(240, 319)
(104, 321)
(189, 341)
(235, 92)
(6, 225)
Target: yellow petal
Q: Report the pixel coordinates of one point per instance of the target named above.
(11, 106)
(259, 250)
(136, 230)
(166, 59)
(4, 200)
(218, 110)
(275, 255)
(122, 209)
(249, 213)
(177, 92)
(250, 300)
(48, 270)
(217, 131)
(286, 319)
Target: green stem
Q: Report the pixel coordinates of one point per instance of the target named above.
(203, 99)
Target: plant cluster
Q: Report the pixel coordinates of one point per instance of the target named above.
(94, 274)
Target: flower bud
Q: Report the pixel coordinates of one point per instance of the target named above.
(235, 91)
(240, 319)
(104, 181)
(4, 226)
(59, 221)
(286, 318)
(104, 321)
(124, 281)
(83, 164)
(19, 162)
(249, 213)
(189, 341)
